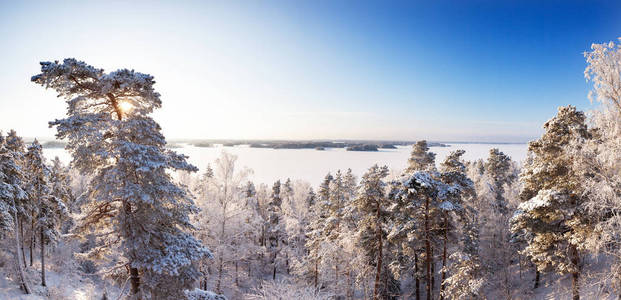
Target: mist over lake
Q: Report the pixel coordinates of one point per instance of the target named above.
(310, 165)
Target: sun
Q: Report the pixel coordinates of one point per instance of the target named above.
(125, 107)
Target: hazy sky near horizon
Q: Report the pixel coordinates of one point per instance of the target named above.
(462, 70)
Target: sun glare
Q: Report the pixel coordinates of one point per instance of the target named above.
(125, 107)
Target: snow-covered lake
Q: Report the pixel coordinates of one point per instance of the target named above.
(311, 165)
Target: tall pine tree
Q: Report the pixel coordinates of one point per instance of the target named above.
(134, 206)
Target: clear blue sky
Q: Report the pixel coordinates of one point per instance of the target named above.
(462, 70)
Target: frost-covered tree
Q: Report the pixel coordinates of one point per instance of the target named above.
(600, 157)
(274, 231)
(224, 222)
(603, 69)
(372, 203)
(426, 196)
(48, 210)
(499, 183)
(465, 282)
(296, 212)
(7, 205)
(15, 145)
(553, 210)
(12, 196)
(421, 158)
(454, 212)
(134, 206)
(319, 211)
(408, 233)
(60, 183)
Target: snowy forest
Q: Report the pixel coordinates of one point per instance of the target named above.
(129, 218)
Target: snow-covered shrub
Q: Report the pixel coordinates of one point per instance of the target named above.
(198, 294)
(281, 289)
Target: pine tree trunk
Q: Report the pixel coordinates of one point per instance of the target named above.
(433, 273)
(386, 289)
(236, 274)
(316, 272)
(575, 288)
(220, 267)
(336, 281)
(42, 259)
(520, 264)
(427, 250)
(32, 239)
(378, 230)
(135, 281)
(575, 276)
(18, 259)
(537, 275)
(349, 289)
(444, 257)
(416, 276)
(21, 230)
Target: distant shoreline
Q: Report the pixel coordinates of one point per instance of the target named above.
(354, 145)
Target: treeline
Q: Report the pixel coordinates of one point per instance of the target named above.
(415, 235)
(35, 200)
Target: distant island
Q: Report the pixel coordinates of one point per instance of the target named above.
(54, 144)
(363, 148)
(202, 145)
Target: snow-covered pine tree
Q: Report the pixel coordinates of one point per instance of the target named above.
(49, 210)
(274, 231)
(310, 265)
(7, 205)
(499, 170)
(134, 205)
(406, 236)
(427, 196)
(60, 183)
(311, 198)
(421, 158)
(324, 188)
(456, 212)
(500, 176)
(372, 204)
(350, 183)
(12, 199)
(407, 232)
(553, 211)
(348, 228)
(16, 145)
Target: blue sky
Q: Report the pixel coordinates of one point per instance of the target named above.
(462, 70)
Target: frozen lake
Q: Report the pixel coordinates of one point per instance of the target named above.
(311, 165)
